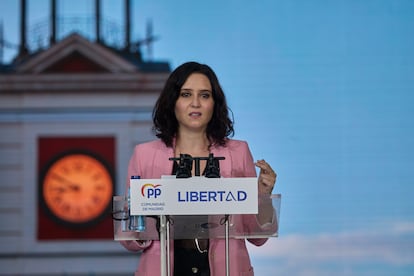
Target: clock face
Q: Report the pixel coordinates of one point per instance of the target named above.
(77, 188)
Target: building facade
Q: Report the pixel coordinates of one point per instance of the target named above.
(75, 96)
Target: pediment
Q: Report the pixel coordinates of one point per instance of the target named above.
(75, 54)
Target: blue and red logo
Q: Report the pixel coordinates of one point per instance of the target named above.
(149, 190)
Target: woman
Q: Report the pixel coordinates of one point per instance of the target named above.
(191, 117)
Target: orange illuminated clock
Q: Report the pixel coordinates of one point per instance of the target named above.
(77, 188)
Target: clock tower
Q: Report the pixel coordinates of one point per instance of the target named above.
(70, 116)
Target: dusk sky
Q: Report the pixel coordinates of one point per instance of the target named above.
(324, 91)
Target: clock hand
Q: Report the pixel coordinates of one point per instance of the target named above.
(70, 184)
(60, 189)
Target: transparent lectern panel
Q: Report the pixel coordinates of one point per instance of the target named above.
(132, 228)
(263, 225)
(199, 226)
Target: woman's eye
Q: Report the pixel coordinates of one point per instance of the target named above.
(185, 94)
(205, 95)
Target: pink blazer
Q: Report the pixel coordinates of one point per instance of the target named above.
(150, 160)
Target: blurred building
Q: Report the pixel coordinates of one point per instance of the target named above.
(76, 97)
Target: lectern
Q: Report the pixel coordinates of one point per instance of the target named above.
(193, 208)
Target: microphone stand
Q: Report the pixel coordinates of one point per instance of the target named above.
(185, 163)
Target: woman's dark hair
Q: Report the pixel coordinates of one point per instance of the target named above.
(165, 126)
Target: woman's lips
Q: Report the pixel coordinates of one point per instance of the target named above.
(195, 114)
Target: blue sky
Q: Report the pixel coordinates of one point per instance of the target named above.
(324, 91)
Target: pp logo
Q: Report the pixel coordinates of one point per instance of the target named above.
(151, 190)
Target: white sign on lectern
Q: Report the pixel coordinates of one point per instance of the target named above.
(193, 196)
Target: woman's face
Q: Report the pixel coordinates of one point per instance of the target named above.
(194, 106)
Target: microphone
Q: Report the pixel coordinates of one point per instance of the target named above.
(185, 165)
(213, 166)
